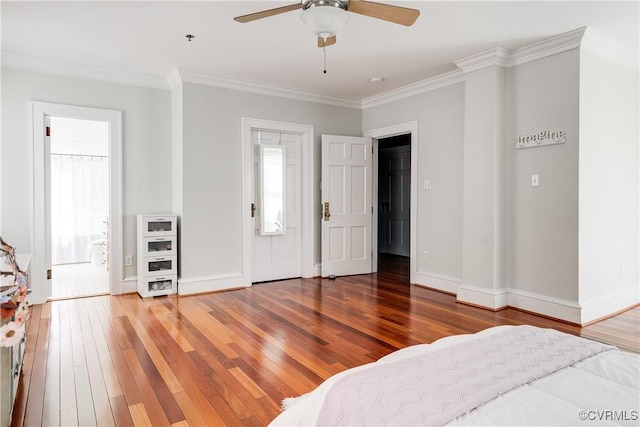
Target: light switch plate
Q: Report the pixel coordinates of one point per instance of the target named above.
(535, 180)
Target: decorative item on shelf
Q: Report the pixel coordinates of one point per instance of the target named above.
(14, 306)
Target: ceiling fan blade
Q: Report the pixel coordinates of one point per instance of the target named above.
(330, 40)
(266, 13)
(387, 12)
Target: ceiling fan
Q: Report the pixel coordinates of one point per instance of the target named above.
(326, 17)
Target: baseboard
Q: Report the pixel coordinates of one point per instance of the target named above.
(129, 285)
(437, 281)
(489, 298)
(599, 308)
(200, 285)
(556, 308)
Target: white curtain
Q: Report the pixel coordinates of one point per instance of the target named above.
(79, 205)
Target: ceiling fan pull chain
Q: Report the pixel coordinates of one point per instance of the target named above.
(324, 52)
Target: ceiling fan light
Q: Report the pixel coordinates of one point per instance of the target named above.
(325, 20)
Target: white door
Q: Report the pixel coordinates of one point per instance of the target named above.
(277, 257)
(346, 205)
(48, 290)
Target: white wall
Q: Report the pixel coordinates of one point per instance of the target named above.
(542, 222)
(440, 116)
(146, 146)
(608, 189)
(212, 176)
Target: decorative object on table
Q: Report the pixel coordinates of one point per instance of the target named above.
(14, 306)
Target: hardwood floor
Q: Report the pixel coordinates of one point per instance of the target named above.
(229, 358)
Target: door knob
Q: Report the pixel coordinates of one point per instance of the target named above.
(327, 214)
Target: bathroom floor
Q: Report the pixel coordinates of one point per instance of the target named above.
(78, 280)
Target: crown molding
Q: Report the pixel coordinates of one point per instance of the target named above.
(581, 38)
(190, 76)
(437, 82)
(609, 48)
(497, 56)
(547, 47)
(90, 72)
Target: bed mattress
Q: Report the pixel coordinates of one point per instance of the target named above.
(601, 390)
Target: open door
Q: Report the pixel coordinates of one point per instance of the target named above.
(346, 205)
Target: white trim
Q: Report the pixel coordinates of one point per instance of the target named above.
(609, 48)
(433, 83)
(81, 71)
(437, 281)
(547, 47)
(307, 148)
(606, 305)
(129, 285)
(584, 36)
(489, 298)
(547, 306)
(497, 56)
(38, 224)
(544, 305)
(265, 89)
(393, 130)
(200, 285)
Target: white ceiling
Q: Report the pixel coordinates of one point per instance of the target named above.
(148, 38)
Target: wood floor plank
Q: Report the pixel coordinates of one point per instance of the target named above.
(159, 376)
(229, 358)
(191, 413)
(79, 334)
(140, 416)
(51, 406)
(121, 413)
(125, 379)
(195, 394)
(150, 402)
(69, 417)
(35, 400)
(67, 379)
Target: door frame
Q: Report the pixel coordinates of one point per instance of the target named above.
(40, 233)
(307, 145)
(386, 132)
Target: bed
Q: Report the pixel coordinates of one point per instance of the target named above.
(505, 375)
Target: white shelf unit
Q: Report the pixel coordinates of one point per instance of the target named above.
(157, 254)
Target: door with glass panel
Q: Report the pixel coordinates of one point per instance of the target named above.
(277, 206)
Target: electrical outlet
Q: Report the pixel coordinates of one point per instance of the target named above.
(425, 256)
(427, 184)
(128, 260)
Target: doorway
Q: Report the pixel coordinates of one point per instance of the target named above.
(306, 140)
(402, 131)
(79, 176)
(394, 203)
(40, 230)
(277, 217)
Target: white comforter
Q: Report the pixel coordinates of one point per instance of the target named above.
(602, 390)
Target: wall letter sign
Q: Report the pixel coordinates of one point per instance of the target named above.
(546, 137)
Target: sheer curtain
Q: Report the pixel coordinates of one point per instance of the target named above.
(79, 205)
